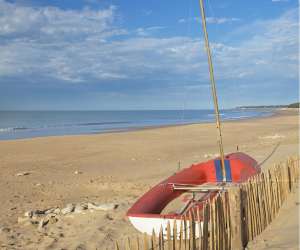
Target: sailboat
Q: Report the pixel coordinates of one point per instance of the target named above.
(204, 180)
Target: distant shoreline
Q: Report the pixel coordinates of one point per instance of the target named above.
(292, 105)
(269, 113)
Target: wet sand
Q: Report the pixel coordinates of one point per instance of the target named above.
(118, 168)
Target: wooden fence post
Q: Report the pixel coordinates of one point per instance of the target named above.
(236, 217)
(245, 220)
(205, 225)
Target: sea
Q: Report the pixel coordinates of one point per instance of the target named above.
(29, 124)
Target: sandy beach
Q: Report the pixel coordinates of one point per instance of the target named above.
(118, 168)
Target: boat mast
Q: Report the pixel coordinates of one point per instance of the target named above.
(213, 90)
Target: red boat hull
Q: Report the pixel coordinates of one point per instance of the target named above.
(239, 167)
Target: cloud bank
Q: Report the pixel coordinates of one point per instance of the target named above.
(88, 46)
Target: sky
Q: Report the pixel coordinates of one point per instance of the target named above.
(123, 55)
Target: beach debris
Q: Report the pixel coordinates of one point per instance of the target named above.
(103, 207)
(23, 173)
(272, 137)
(52, 218)
(23, 220)
(38, 212)
(79, 208)
(43, 222)
(28, 214)
(4, 230)
(34, 213)
(54, 210)
(77, 172)
(109, 217)
(49, 218)
(41, 218)
(68, 209)
(80, 247)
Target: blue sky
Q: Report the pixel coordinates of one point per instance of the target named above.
(113, 54)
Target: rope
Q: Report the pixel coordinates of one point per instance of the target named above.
(269, 156)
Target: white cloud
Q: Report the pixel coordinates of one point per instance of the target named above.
(33, 23)
(182, 20)
(148, 31)
(211, 20)
(81, 46)
(43, 40)
(147, 12)
(221, 20)
(277, 1)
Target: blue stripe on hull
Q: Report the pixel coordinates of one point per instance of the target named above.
(219, 170)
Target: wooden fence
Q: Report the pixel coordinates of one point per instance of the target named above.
(235, 216)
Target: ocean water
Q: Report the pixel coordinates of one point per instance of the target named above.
(28, 124)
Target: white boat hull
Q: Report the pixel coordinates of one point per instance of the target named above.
(148, 225)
